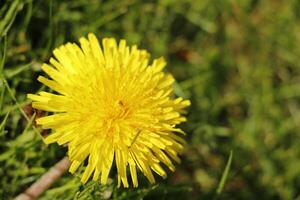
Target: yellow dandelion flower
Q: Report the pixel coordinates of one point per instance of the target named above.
(111, 105)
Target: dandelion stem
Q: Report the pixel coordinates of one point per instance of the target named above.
(42, 184)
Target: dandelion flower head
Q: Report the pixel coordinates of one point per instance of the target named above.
(110, 105)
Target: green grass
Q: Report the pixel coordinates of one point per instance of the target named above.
(237, 61)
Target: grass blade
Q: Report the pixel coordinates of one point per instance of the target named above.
(225, 174)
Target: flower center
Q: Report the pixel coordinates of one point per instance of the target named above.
(119, 110)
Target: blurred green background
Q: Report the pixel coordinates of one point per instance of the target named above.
(238, 61)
